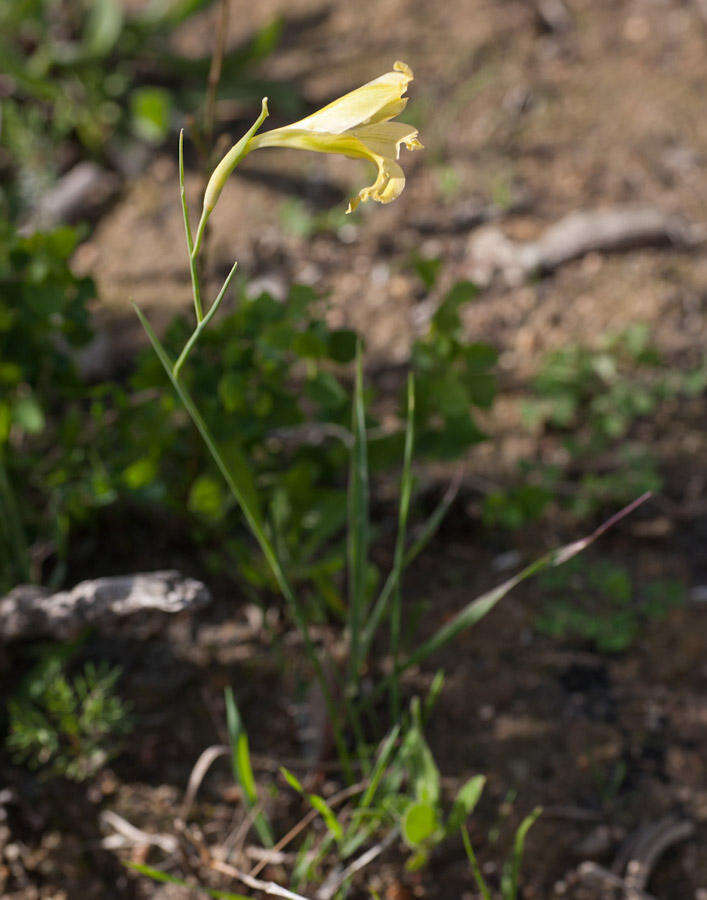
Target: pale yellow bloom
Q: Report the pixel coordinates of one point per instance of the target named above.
(357, 125)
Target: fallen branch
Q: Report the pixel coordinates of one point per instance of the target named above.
(105, 603)
(492, 254)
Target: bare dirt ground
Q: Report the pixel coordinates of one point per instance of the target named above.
(608, 108)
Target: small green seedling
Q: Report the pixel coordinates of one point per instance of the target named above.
(63, 726)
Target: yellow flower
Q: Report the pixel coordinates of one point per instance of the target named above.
(357, 125)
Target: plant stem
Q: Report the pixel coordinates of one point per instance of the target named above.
(399, 558)
(215, 73)
(428, 531)
(357, 528)
(204, 322)
(221, 173)
(195, 288)
(13, 527)
(253, 519)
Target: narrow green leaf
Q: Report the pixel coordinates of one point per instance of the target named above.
(164, 878)
(242, 768)
(292, 780)
(392, 584)
(202, 324)
(429, 529)
(476, 871)
(432, 696)
(418, 860)
(316, 802)
(511, 873)
(379, 768)
(245, 769)
(302, 865)
(474, 611)
(477, 609)
(330, 820)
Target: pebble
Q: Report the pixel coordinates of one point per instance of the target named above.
(267, 284)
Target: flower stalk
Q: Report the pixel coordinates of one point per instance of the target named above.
(358, 125)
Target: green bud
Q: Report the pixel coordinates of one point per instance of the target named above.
(229, 162)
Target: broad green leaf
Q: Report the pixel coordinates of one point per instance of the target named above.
(151, 110)
(341, 345)
(417, 759)
(105, 22)
(140, 473)
(446, 319)
(419, 823)
(207, 498)
(5, 421)
(28, 414)
(465, 801)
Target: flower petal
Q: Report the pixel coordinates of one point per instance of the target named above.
(358, 125)
(385, 138)
(376, 101)
(387, 187)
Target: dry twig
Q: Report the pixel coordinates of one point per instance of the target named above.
(198, 773)
(336, 878)
(596, 874)
(129, 834)
(640, 853)
(334, 801)
(267, 887)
